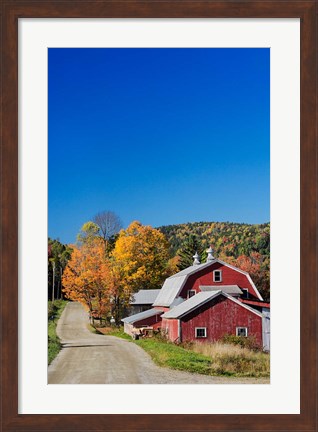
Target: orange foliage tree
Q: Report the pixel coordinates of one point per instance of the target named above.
(88, 278)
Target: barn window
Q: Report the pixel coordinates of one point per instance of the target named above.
(191, 293)
(217, 276)
(241, 331)
(200, 332)
(245, 292)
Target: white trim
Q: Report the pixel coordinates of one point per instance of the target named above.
(200, 328)
(246, 330)
(219, 271)
(194, 307)
(230, 298)
(245, 273)
(179, 331)
(216, 294)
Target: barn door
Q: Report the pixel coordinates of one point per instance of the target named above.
(266, 329)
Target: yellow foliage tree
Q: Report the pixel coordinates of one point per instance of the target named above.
(142, 257)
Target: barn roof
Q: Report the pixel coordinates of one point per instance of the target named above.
(230, 289)
(191, 304)
(192, 269)
(173, 285)
(142, 315)
(199, 299)
(144, 296)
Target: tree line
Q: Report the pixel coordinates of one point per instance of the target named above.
(243, 245)
(106, 267)
(108, 264)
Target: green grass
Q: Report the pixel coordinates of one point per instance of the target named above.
(117, 331)
(54, 312)
(208, 359)
(169, 355)
(175, 357)
(93, 329)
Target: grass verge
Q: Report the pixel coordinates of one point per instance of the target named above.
(118, 331)
(54, 312)
(235, 360)
(215, 359)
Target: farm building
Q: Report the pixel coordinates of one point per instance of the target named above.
(142, 300)
(206, 301)
(150, 318)
(209, 316)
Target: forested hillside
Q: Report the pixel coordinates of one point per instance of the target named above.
(124, 267)
(231, 239)
(242, 245)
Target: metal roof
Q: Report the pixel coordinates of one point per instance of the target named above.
(192, 269)
(191, 304)
(173, 285)
(230, 289)
(199, 299)
(169, 291)
(142, 315)
(144, 296)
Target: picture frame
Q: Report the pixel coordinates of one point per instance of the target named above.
(12, 11)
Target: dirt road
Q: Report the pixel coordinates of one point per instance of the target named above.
(88, 358)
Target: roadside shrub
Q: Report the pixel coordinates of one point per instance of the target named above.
(53, 308)
(248, 342)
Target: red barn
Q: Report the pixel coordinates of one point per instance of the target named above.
(208, 316)
(206, 301)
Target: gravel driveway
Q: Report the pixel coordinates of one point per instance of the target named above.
(88, 358)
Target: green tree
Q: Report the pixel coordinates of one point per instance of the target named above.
(88, 233)
(190, 246)
(58, 256)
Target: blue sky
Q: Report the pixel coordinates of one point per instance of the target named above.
(162, 136)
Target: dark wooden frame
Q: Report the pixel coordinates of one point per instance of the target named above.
(12, 10)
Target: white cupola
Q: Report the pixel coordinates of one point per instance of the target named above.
(210, 256)
(196, 257)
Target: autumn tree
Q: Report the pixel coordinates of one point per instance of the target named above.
(258, 268)
(88, 278)
(142, 256)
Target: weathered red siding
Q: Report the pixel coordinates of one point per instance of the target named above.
(153, 321)
(170, 328)
(221, 316)
(229, 277)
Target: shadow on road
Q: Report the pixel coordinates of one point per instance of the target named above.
(84, 346)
